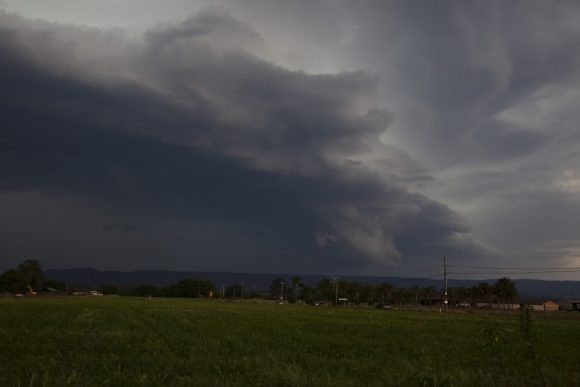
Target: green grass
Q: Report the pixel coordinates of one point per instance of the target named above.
(111, 341)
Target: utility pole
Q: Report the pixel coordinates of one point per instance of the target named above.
(335, 290)
(445, 300)
(281, 291)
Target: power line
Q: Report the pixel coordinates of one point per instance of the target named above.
(421, 272)
(515, 272)
(407, 277)
(515, 268)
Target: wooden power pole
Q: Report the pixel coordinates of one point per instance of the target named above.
(445, 300)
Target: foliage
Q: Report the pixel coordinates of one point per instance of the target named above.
(56, 285)
(28, 273)
(236, 291)
(277, 287)
(503, 291)
(325, 290)
(188, 288)
(12, 281)
(145, 291)
(110, 290)
(32, 273)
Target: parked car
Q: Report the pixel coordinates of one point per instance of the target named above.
(384, 306)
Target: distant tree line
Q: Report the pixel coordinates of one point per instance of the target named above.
(294, 290)
(187, 288)
(29, 276)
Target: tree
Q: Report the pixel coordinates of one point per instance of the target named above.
(12, 281)
(277, 287)
(110, 289)
(325, 289)
(385, 289)
(369, 294)
(32, 274)
(403, 296)
(144, 291)
(483, 292)
(54, 284)
(307, 294)
(415, 292)
(505, 290)
(296, 287)
(235, 291)
(189, 288)
(296, 281)
(428, 295)
(28, 273)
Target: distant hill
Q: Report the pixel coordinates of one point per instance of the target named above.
(528, 288)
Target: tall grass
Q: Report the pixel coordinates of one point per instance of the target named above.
(140, 342)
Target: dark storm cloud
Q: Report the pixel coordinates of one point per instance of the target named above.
(185, 126)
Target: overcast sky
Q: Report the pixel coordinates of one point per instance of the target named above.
(304, 136)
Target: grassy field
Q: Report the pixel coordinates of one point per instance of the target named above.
(111, 341)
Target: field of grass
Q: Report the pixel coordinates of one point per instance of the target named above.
(113, 341)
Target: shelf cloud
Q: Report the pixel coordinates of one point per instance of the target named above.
(322, 137)
(184, 126)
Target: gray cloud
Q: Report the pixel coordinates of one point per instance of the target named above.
(485, 94)
(185, 135)
(450, 67)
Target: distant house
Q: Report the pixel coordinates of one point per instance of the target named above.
(569, 305)
(542, 306)
(551, 306)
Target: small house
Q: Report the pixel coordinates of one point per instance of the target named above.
(550, 306)
(541, 306)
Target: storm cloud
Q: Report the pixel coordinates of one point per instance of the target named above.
(484, 94)
(321, 136)
(185, 128)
